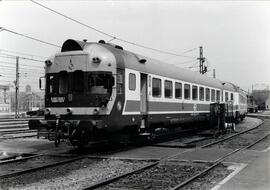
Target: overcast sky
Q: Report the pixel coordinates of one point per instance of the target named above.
(235, 35)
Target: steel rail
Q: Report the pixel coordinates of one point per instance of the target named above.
(41, 167)
(113, 179)
(19, 159)
(17, 131)
(19, 119)
(219, 161)
(110, 180)
(17, 137)
(229, 137)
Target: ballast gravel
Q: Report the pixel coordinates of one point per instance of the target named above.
(161, 177)
(170, 174)
(75, 175)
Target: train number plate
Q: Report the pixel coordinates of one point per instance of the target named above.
(57, 99)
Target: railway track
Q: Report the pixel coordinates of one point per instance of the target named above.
(26, 164)
(119, 182)
(154, 165)
(15, 128)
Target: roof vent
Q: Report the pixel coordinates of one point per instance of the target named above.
(115, 46)
(142, 60)
(118, 47)
(72, 45)
(85, 40)
(101, 42)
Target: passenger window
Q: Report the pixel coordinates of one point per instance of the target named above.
(201, 92)
(132, 81)
(187, 91)
(218, 96)
(207, 94)
(213, 95)
(178, 90)
(194, 92)
(231, 96)
(156, 87)
(226, 96)
(168, 89)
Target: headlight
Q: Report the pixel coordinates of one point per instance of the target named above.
(69, 111)
(95, 112)
(47, 111)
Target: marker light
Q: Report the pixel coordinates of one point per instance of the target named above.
(47, 111)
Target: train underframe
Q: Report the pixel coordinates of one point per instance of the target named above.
(79, 132)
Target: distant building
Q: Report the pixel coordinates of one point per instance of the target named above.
(261, 97)
(31, 101)
(267, 103)
(28, 88)
(28, 101)
(4, 99)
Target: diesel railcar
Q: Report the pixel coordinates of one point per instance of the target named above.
(99, 90)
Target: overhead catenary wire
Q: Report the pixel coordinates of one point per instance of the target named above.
(185, 62)
(29, 37)
(107, 34)
(32, 69)
(187, 51)
(5, 55)
(24, 72)
(10, 64)
(9, 51)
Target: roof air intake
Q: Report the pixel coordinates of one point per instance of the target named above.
(72, 45)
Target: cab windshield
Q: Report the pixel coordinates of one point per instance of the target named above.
(79, 82)
(99, 83)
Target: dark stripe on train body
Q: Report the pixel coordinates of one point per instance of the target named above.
(134, 106)
(125, 121)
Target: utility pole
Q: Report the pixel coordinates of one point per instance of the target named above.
(214, 73)
(17, 89)
(203, 69)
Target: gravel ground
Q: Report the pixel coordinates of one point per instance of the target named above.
(75, 175)
(29, 163)
(247, 138)
(209, 180)
(163, 176)
(244, 125)
(263, 145)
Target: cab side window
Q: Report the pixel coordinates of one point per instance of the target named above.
(132, 81)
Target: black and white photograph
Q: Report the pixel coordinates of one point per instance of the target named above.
(134, 95)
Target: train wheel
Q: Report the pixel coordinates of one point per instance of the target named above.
(83, 141)
(72, 138)
(57, 138)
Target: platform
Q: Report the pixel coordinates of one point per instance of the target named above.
(255, 176)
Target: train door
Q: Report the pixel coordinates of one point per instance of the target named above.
(143, 105)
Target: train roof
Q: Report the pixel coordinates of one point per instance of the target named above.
(130, 60)
(141, 63)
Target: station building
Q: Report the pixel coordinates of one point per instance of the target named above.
(267, 103)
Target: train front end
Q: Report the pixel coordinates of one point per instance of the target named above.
(79, 93)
